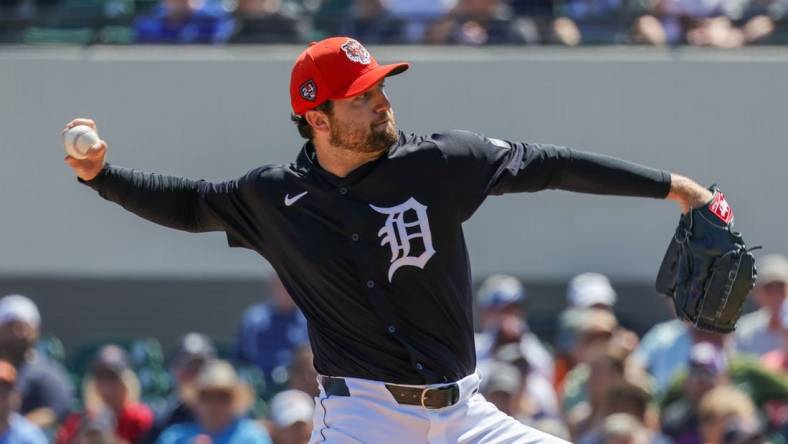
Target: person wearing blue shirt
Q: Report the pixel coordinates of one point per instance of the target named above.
(44, 388)
(14, 428)
(21, 431)
(240, 431)
(184, 21)
(270, 332)
(221, 403)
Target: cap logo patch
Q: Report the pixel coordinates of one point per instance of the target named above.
(356, 52)
(308, 90)
(719, 206)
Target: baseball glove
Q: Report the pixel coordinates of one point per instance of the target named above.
(707, 270)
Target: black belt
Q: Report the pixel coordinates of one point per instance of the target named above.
(429, 398)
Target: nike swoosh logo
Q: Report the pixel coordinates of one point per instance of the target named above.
(291, 200)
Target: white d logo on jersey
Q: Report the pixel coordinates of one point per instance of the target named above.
(396, 233)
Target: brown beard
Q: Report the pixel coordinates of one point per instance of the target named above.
(351, 137)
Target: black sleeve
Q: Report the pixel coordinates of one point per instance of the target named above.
(184, 204)
(484, 166)
(550, 166)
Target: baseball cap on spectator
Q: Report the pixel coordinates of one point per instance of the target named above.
(111, 360)
(7, 373)
(590, 289)
(708, 357)
(194, 348)
(743, 432)
(335, 68)
(623, 426)
(772, 268)
(595, 320)
(291, 406)
(110, 363)
(501, 377)
(500, 290)
(16, 307)
(220, 376)
(513, 354)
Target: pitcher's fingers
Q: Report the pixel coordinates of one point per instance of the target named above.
(81, 121)
(72, 162)
(97, 150)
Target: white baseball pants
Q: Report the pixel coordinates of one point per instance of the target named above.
(370, 415)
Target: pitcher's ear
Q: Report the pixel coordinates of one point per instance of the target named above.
(318, 120)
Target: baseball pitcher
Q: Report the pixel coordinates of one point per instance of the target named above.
(365, 230)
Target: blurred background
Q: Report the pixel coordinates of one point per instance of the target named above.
(719, 23)
(120, 331)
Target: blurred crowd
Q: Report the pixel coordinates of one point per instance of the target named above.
(718, 23)
(594, 383)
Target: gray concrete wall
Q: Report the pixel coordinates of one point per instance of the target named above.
(215, 113)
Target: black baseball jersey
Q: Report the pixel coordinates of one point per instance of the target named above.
(377, 260)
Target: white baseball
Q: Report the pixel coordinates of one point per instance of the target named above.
(78, 141)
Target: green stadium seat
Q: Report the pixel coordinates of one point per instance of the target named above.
(146, 353)
(52, 347)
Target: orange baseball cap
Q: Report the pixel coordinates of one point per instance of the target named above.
(7, 373)
(335, 68)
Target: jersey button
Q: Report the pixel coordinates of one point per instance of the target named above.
(354, 236)
(392, 329)
(343, 191)
(419, 366)
(370, 284)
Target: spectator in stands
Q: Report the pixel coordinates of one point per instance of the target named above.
(591, 290)
(707, 370)
(291, 417)
(111, 396)
(371, 22)
(503, 385)
(481, 22)
(585, 291)
(592, 330)
(270, 332)
(222, 401)
(592, 21)
(588, 385)
(265, 21)
(504, 320)
(302, 375)
(620, 428)
(14, 428)
(758, 19)
(777, 360)
(184, 21)
(727, 415)
(45, 389)
(418, 15)
(616, 386)
(665, 349)
(711, 367)
(706, 23)
(194, 351)
(632, 397)
(760, 332)
(542, 15)
(538, 397)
